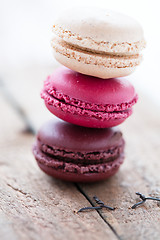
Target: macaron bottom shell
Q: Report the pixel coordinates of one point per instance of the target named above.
(89, 121)
(74, 177)
(92, 69)
(76, 172)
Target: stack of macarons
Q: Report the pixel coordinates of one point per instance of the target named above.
(90, 94)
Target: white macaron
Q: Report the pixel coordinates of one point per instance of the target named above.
(98, 42)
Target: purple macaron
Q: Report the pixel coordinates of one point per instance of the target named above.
(78, 154)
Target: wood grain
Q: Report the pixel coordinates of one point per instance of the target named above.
(33, 205)
(140, 171)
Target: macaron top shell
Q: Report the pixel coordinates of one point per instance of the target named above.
(67, 136)
(100, 30)
(90, 89)
(100, 24)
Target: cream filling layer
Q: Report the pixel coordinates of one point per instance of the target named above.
(88, 57)
(128, 48)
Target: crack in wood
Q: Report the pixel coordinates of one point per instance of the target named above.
(90, 201)
(17, 189)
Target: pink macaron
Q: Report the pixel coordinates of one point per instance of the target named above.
(88, 101)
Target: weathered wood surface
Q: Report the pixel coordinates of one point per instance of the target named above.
(33, 205)
(46, 206)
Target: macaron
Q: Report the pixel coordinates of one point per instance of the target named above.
(78, 154)
(97, 42)
(88, 101)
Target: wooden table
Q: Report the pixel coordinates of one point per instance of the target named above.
(36, 206)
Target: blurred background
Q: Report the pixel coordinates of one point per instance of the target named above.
(25, 33)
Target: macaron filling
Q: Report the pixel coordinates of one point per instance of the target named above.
(78, 162)
(114, 47)
(87, 56)
(75, 106)
(83, 157)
